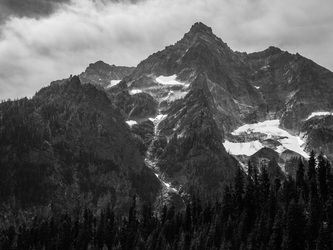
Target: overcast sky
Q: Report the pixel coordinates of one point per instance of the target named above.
(45, 40)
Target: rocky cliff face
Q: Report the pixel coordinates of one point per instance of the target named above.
(318, 132)
(292, 86)
(193, 155)
(103, 74)
(235, 89)
(206, 62)
(202, 90)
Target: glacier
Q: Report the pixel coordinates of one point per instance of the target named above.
(272, 131)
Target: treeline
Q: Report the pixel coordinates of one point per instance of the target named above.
(254, 212)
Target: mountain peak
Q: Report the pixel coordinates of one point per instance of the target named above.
(200, 27)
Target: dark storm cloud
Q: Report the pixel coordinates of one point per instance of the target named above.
(69, 36)
(39, 8)
(29, 8)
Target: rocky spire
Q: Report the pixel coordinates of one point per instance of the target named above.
(200, 27)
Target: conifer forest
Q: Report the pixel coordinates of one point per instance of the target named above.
(256, 211)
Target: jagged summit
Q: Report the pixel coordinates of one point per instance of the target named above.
(103, 74)
(201, 33)
(75, 80)
(200, 50)
(200, 27)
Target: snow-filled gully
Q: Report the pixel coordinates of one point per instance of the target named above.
(151, 160)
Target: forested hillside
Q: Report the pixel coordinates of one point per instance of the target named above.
(255, 212)
(65, 148)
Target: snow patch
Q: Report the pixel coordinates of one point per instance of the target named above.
(166, 184)
(272, 130)
(242, 148)
(113, 83)
(131, 122)
(159, 117)
(135, 91)
(266, 127)
(175, 95)
(168, 80)
(265, 67)
(181, 135)
(157, 121)
(319, 114)
(257, 87)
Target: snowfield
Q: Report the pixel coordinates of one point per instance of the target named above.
(319, 114)
(171, 81)
(168, 80)
(272, 131)
(113, 83)
(242, 148)
(175, 95)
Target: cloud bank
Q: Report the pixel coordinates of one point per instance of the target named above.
(37, 49)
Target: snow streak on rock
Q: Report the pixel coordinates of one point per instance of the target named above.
(113, 83)
(319, 114)
(151, 160)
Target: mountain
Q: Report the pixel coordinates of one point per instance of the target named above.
(181, 122)
(101, 74)
(206, 62)
(199, 82)
(293, 86)
(191, 81)
(66, 148)
(318, 131)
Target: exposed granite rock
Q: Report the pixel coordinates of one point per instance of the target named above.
(318, 132)
(102, 74)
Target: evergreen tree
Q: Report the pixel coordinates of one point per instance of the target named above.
(275, 241)
(239, 190)
(314, 219)
(264, 185)
(300, 175)
(249, 203)
(188, 218)
(227, 205)
(301, 187)
(312, 173)
(147, 221)
(293, 237)
(282, 220)
(322, 178)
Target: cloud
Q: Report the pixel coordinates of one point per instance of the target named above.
(35, 51)
(28, 8)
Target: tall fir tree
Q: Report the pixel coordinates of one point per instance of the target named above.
(239, 190)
